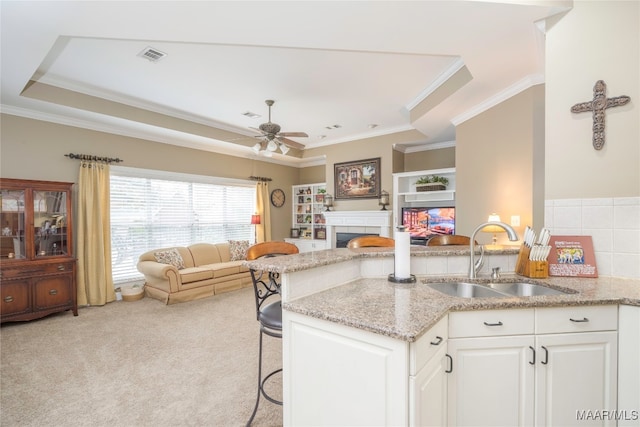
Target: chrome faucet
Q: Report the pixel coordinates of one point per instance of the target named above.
(473, 266)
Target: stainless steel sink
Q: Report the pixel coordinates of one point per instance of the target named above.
(466, 290)
(523, 289)
(493, 290)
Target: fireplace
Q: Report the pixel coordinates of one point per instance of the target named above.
(356, 223)
(343, 238)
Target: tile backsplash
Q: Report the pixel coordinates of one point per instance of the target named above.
(613, 224)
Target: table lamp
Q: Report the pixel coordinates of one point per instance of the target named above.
(255, 221)
(494, 217)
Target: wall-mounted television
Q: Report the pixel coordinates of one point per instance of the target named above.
(425, 222)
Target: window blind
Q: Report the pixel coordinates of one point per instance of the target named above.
(149, 212)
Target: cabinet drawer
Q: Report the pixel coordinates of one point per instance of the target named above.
(487, 323)
(15, 298)
(53, 291)
(427, 345)
(29, 270)
(576, 319)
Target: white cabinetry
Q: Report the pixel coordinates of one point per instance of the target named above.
(308, 220)
(503, 374)
(629, 368)
(308, 245)
(336, 375)
(516, 367)
(406, 195)
(429, 365)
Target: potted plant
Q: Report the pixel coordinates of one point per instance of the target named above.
(431, 183)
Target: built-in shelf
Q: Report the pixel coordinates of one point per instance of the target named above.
(405, 194)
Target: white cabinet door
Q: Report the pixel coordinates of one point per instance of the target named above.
(492, 382)
(576, 378)
(339, 376)
(629, 366)
(428, 392)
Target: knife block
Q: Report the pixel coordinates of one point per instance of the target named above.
(529, 268)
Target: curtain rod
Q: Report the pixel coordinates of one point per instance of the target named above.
(260, 178)
(93, 158)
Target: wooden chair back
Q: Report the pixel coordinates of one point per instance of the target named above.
(271, 249)
(371, 241)
(449, 239)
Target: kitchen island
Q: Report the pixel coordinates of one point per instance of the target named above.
(360, 350)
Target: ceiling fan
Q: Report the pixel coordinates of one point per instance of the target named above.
(273, 138)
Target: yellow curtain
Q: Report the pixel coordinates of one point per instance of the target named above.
(263, 231)
(95, 282)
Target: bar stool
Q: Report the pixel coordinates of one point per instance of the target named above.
(371, 241)
(266, 286)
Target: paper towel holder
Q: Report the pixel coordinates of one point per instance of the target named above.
(392, 277)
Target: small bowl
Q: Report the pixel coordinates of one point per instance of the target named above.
(131, 293)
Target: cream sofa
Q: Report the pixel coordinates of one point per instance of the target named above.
(205, 269)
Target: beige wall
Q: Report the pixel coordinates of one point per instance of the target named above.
(495, 168)
(312, 175)
(430, 159)
(596, 40)
(34, 149)
(359, 150)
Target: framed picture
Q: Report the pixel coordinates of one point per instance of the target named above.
(572, 256)
(321, 233)
(295, 233)
(357, 180)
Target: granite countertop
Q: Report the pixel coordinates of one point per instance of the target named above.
(308, 260)
(406, 311)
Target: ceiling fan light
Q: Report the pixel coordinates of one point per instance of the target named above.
(256, 148)
(267, 153)
(272, 146)
(284, 149)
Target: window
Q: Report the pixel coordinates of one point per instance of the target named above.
(153, 210)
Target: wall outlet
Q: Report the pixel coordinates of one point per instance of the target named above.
(515, 220)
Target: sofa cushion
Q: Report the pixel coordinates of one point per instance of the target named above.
(238, 249)
(195, 274)
(204, 254)
(223, 269)
(171, 257)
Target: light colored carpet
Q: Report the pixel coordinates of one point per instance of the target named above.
(138, 363)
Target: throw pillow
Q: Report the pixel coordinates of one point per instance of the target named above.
(171, 257)
(238, 249)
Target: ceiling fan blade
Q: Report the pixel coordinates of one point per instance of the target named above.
(291, 143)
(293, 134)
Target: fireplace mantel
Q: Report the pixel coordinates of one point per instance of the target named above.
(378, 222)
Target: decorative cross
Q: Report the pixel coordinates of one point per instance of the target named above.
(597, 106)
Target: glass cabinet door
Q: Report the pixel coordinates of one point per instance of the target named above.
(49, 221)
(12, 225)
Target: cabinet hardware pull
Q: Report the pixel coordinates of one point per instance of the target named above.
(584, 319)
(53, 292)
(533, 350)
(8, 298)
(61, 267)
(437, 341)
(493, 324)
(448, 371)
(546, 355)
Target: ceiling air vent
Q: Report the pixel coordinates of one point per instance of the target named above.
(153, 55)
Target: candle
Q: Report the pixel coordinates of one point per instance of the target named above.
(402, 258)
(10, 255)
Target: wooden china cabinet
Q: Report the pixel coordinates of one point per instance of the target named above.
(37, 268)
